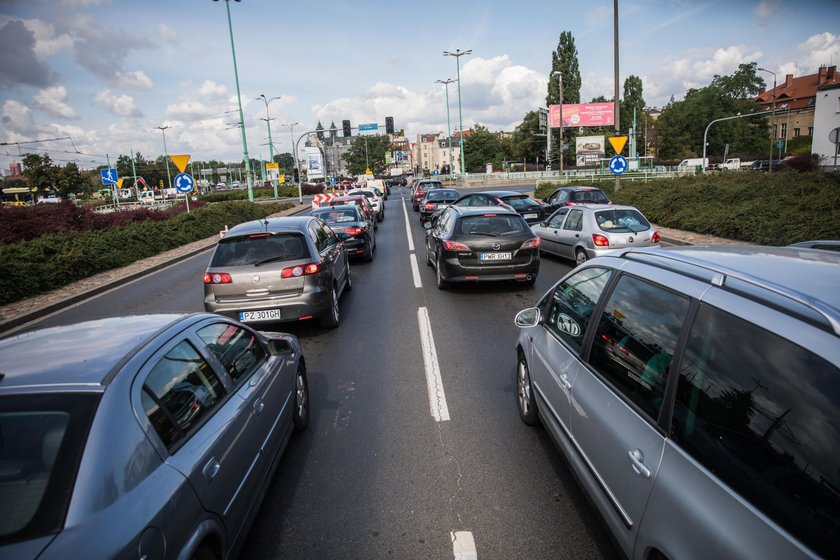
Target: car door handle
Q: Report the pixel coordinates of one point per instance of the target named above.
(564, 381)
(577, 235)
(211, 469)
(637, 460)
(259, 405)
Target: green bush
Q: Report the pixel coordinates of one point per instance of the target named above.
(242, 194)
(762, 208)
(55, 260)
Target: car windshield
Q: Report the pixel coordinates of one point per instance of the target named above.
(442, 194)
(257, 249)
(492, 225)
(337, 216)
(621, 220)
(591, 195)
(523, 202)
(41, 442)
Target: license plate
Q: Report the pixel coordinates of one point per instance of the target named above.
(494, 256)
(266, 315)
(531, 216)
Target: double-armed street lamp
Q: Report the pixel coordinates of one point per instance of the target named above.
(458, 54)
(248, 175)
(446, 83)
(294, 154)
(166, 154)
(772, 136)
(268, 120)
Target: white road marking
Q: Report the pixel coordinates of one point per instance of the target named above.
(463, 545)
(434, 383)
(415, 272)
(408, 227)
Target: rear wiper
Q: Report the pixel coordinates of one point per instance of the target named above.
(485, 233)
(272, 259)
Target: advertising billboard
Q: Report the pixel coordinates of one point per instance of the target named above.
(582, 114)
(589, 149)
(314, 167)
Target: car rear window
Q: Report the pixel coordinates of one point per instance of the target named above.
(431, 185)
(439, 194)
(594, 196)
(492, 225)
(42, 438)
(260, 248)
(618, 221)
(518, 203)
(337, 216)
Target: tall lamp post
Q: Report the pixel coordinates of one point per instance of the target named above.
(166, 154)
(446, 83)
(268, 120)
(560, 84)
(772, 124)
(458, 54)
(294, 154)
(248, 175)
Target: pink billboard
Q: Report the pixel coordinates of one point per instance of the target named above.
(581, 114)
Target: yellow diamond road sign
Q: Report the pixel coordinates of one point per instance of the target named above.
(618, 143)
(181, 161)
(368, 171)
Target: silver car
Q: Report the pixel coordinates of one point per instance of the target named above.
(278, 270)
(150, 436)
(586, 231)
(695, 393)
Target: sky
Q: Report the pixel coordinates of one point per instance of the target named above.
(107, 73)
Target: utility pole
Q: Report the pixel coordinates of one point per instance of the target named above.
(458, 54)
(615, 101)
(773, 117)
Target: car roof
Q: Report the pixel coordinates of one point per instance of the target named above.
(601, 207)
(79, 354)
(498, 193)
(579, 188)
(274, 225)
(481, 210)
(352, 207)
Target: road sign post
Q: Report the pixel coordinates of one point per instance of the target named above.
(834, 137)
(618, 165)
(184, 183)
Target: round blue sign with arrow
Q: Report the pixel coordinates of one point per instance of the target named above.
(184, 182)
(618, 165)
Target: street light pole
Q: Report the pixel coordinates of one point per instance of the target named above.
(615, 78)
(773, 116)
(560, 84)
(166, 154)
(458, 54)
(268, 120)
(446, 83)
(248, 173)
(705, 134)
(294, 154)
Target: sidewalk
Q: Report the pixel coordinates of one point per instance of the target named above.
(23, 311)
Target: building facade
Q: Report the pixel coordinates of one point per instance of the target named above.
(827, 119)
(434, 152)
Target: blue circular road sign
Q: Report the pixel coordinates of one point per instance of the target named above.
(184, 183)
(618, 165)
(435, 172)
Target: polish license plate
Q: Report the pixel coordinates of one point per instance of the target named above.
(266, 315)
(494, 256)
(531, 216)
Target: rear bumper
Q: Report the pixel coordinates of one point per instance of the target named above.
(314, 304)
(453, 271)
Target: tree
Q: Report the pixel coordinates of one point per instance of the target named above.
(480, 148)
(40, 172)
(564, 59)
(286, 161)
(377, 148)
(526, 144)
(70, 180)
(633, 99)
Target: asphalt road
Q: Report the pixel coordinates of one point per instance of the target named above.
(376, 475)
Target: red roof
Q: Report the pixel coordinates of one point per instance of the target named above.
(799, 93)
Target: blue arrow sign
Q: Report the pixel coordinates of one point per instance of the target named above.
(332, 180)
(435, 172)
(109, 176)
(618, 165)
(184, 182)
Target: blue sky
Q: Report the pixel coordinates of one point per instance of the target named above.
(107, 72)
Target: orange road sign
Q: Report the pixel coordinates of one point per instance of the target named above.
(182, 160)
(618, 143)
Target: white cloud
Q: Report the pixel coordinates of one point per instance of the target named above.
(132, 80)
(82, 3)
(120, 105)
(47, 41)
(168, 34)
(766, 8)
(209, 100)
(52, 100)
(17, 117)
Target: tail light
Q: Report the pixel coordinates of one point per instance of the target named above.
(354, 231)
(455, 246)
(217, 278)
(655, 237)
(429, 206)
(300, 270)
(531, 243)
(569, 204)
(600, 240)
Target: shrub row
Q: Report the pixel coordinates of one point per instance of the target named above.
(762, 208)
(285, 191)
(57, 259)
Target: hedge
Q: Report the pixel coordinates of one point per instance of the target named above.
(286, 191)
(762, 208)
(57, 259)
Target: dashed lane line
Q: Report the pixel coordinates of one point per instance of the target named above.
(434, 383)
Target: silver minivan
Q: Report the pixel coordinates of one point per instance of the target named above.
(695, 392)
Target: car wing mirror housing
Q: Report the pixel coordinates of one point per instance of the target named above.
(280, 347)
(527, 317)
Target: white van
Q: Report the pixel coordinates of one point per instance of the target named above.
(692, 163)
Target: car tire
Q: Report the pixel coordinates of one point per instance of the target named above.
(580, 256)
(525, 402)
(348, 285)
(369, 251)
(380, 217)
(300, 414)
(441, 283)
(332, 317)
(429, 261)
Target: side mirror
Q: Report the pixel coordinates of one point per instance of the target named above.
(527, 317)
(279, 347)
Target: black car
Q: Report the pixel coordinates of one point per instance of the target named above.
(435, 200)
(569, 196)
(524, 205)
(766, 165)
(350, 225)
(479, 244)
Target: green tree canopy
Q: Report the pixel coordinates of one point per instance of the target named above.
(526, 144)
(377, 148)
(41, 173)
(564, 59)
(480, 148)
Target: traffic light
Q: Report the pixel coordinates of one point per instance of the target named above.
(389, 125)
(296, 175)
(346, 126)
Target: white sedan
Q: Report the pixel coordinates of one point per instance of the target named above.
(376, 201)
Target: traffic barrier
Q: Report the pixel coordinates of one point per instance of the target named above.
(323, 199)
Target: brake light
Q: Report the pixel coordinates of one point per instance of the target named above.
(655, 237)
(253, 235)
(429, 206)
(217, 278)
(455, 246)
(300, 270)
(569, 204)
(531, 243)
(354, 231)
(600, 240)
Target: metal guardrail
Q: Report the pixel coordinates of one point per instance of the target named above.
(126, 206)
